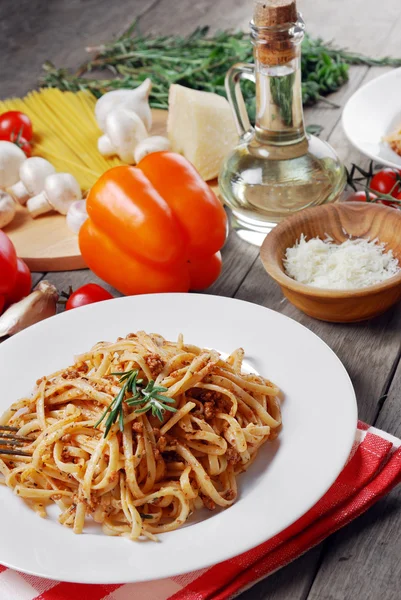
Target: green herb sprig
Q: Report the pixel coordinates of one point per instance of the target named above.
(149, 397)
(200, 61)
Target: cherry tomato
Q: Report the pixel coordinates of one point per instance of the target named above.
(384, 181)
(8, 264)
(22, 285)
(87, 294)
(14, 123)
(360, 196)
(204, 271)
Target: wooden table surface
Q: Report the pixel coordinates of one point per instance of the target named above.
(363, 559)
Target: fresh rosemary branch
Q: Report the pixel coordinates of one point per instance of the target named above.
(149, 397)
(201, 62)
(152, 400)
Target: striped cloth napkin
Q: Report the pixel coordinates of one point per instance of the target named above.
(372, 470)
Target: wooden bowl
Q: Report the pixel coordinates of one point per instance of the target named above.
(339, 221)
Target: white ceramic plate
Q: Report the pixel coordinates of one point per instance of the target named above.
(373, 112)
(288, 477)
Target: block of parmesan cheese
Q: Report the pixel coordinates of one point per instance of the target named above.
(201, 127)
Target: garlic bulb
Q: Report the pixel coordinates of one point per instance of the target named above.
(39, 305)
(154, 143)
(76, 215)
(136, 100)
(123, 132)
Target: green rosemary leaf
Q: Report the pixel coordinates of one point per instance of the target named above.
(144, 409)
(134, 401)
(201, 61)
(164, 398)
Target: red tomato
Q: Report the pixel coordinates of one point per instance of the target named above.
(22, 285)
(8, 264)
(87, 294)
(360, 196)
(2, 303)
(204, 271)
(14, 123)
(384, 181)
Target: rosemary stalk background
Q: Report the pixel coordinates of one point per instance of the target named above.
(201, 62)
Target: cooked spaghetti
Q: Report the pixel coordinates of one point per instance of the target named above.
(140, 476)
(65, 132)
(394, 140)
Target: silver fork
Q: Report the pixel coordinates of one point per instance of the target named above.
(11, 443)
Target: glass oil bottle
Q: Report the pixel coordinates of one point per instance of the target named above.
(276, 170)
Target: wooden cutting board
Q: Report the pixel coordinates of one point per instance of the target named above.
(46, 243)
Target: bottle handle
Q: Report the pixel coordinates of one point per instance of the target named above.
(236, 99)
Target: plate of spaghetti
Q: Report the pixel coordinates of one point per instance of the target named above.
(187, 435)
(372, 119)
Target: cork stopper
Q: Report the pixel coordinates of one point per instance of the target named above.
(274, 47)
(270, 13)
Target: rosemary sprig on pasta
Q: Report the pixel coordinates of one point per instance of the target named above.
(149, 397)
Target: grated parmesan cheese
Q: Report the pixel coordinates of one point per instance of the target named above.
(356, 263)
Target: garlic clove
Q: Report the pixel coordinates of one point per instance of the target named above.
(8, 208)
(125, 130)
(137, 99)
(105, 146)
(39, 305)
(32, 175)
(154, 143)
(77, 215)
(11, 158)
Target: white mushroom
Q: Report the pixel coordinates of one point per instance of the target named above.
(154, 143)
(123, 132)
(77, 215)
(60, 191)
(136, 99)
(32, 175)
(7, 209)
(11, 158)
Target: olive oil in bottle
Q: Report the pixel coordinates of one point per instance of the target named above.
(277, 169)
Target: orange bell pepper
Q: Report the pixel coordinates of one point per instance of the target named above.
(157, 227)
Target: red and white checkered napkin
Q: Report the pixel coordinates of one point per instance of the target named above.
(372, 470)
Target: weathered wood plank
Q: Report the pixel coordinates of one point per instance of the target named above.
(35, 31)
(36, 277)
(363, 560)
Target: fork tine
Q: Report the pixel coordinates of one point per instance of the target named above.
(14, 452)
(20, 438)
(8, 428)
(11, 442)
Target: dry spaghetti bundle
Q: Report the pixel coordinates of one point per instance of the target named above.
(140, 433)
(65, 132)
